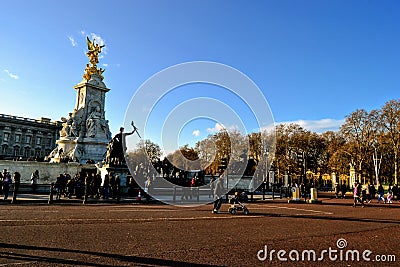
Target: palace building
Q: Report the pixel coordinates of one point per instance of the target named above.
(24, 138)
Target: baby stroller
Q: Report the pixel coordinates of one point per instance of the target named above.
(237, 205)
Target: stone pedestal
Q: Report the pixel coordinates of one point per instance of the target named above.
(85, 133)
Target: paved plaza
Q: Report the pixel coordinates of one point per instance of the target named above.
(127, 234)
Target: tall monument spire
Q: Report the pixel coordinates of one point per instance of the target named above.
(85, 133)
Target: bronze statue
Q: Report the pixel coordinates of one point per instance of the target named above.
(116, 147)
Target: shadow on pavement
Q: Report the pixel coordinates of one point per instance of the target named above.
(328, 217)
(67, 260)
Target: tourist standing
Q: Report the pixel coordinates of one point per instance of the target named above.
(17, 182)
(368, 193)
(34, 180)
(87, 185)
(147, 188)
(372, 190)
(117, 188)
(112, 185)
(395, 191)
(106, 186)
(344, 189)
(6, 184)
(336, 190)
(2, 176)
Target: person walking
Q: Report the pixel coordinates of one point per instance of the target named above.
(389, 197)
(357, 194)
(17, 183)
(218, 194)
(381, 193)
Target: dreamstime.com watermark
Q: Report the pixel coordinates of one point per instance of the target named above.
(338, 253)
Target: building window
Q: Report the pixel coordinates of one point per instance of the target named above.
(27, 152)
(16, 151)
(4, 149)
(28, 139)
(6, 137)
(17, 138)
(38, 140)
(49, 142)
(37, 153)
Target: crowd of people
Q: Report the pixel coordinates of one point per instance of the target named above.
(366, 193)
(87, 185)
(81, 185)
(6, 180)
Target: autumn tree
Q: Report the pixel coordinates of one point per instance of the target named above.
(390, 121)
(360, 132)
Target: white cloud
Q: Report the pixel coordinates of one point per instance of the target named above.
(218, 127)
(318, 126)
(72, 40)
(11, 75)
(196, 133)
(105, 65)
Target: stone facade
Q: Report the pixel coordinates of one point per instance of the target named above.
(24, 138)
(47, 172)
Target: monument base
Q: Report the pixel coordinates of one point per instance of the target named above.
(82, 150)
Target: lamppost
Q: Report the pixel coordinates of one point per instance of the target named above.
(265, 182)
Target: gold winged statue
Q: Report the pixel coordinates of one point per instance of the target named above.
(93, 53)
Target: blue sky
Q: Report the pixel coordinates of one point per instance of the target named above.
(315, 61)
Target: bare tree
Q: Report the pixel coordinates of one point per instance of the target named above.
(390, 121)
(360, 132)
